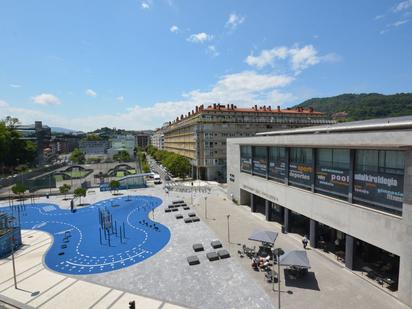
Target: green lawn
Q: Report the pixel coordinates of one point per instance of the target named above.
(58, 177)
(78, 174)
(120, 174)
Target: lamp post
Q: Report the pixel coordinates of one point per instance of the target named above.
(206, 207)
(228, 230)
(278, 252)
(12, 250)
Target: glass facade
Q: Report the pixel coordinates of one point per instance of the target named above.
(301, 167)
(377, 174)
(260, 160)
(332, 171)
(246, 159)
(277, 163)
(378, 178)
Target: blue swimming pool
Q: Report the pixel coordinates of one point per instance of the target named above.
(81, 246)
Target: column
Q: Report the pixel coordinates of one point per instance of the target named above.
(268, 210)
(252, 203)
(286, 220)
(349, 251)
(351, 168)
(313, 233)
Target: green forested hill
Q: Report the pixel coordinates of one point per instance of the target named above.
(363, 106)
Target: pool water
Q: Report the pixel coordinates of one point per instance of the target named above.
(80, 245)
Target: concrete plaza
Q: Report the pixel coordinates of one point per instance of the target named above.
(167, 281)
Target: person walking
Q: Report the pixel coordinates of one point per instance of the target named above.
(305, 242)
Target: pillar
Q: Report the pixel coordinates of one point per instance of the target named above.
(286, 220)
(252, 203)
(349, 251)
(268, 210)
(313, 233)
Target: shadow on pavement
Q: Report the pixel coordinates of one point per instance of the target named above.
(308, 281)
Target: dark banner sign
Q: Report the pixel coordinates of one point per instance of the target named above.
(383, 189)
(332, 180)
(246, 164)
(277, 170)
(300, 174)
(259, 167)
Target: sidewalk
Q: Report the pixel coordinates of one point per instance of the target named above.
(40, 287)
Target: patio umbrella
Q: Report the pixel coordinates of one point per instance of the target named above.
(297, 258)
(263, 236)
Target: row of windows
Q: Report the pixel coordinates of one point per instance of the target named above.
(374, 177)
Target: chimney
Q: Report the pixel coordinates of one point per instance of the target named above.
(269, 108)
(197, 108)
(310, 109)
(214, 105)
(278, 108)
(231, 106)
(255, 107)
(181, 117)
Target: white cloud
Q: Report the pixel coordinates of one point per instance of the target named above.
(403, 5)
(299, 58)
(200, 37)
(245, 89)
(14, 85)
(234, 21)
(399, 22)
(377, 17)
(3, 104)
(211, 50)
(174, 29)
(90, 93)
(145, 5)
(46, 99)
(120, 98)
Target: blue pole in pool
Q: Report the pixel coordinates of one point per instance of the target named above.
(124, 231)
(115, 226)
(108, 234)
(100, 235)
(121, 238)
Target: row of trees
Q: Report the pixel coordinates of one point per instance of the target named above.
(19, 190)
(176, 164)
(14, 151)
(141, 156)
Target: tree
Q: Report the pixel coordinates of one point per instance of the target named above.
(122, 156)
(114, 185)
(19, 190)
(77, 156)
(64, 189)
(80, 192)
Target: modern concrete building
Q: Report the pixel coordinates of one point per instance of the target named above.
(39, 134)
(143, 139)
(347, 186)
(94, 147)
(122, 143)
(201, 134)
(158, 137)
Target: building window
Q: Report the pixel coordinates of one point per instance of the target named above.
(332, 172)
(260, 160)
(246, 159)
(277, 163)
(378, 179)
(300, 167)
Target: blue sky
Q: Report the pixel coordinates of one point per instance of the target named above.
(135, 64)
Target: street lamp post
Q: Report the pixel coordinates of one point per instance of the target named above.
(228, 230)
(278, 252)
(206, 207)
(12, 251)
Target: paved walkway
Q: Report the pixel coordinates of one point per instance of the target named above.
(40, 287)
(329, 284)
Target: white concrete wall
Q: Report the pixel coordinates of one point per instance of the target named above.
(389, 232)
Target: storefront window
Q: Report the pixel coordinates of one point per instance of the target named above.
(378, 179)
(300, 167)
(246, 159)
(277, 163)
(332, 171)
(260, 160)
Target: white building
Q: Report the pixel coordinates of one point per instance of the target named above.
(347, 186)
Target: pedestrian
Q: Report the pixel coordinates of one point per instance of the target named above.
(305, 242)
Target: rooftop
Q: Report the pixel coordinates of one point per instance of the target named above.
(382, 124)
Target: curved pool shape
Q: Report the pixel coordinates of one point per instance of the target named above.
(77, 248)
